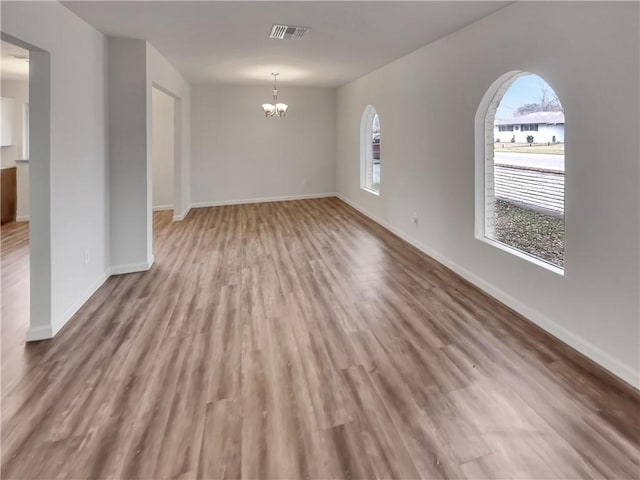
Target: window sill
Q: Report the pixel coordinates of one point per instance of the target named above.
(520, 254)
(373, 192)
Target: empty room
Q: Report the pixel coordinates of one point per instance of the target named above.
(320, 239)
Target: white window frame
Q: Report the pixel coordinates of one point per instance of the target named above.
(484, 173)
(366, 150)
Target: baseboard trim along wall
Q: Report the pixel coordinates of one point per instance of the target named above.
(262, 200)
(181, 217)
(161, 208)
(576, 342)
(39, 333)
(44, 332)
(22, 218)
(131, 268)
(71, 311)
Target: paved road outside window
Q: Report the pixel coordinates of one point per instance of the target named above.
(534, 160)
(376, 173)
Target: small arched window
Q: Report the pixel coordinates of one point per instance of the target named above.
(370, 151)
(520, 173)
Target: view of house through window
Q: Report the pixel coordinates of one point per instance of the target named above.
(375, 152)
(524, 170)
(370, 150)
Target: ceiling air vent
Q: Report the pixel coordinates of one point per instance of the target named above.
(287, 32)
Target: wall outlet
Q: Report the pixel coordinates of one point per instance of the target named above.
(415, 218)
(87, 256)
(303, 181)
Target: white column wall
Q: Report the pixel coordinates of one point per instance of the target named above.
(129, 154)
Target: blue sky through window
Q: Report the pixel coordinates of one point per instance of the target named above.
(526, 89)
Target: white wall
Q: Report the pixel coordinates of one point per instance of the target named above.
(427, 103)
(238, 154)
(68, 159)
(162, 126)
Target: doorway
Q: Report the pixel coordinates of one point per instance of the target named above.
(163, 112)
(14, 201)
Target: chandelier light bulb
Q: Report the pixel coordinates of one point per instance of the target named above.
(275, 109)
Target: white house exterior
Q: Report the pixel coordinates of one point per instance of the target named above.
(543, 126)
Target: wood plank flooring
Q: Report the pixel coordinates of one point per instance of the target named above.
(14, 301)
(301, 340)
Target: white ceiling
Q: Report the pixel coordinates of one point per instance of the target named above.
(12, 68)
(227, 42)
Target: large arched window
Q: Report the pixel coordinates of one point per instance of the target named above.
(370, 151)
(520, 169)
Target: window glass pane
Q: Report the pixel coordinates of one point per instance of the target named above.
(370, 150)
(375, 153)
(524, 189)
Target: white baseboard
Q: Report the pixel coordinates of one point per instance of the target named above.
(176, 217)
(181, 217)
(22, 218)
(35, 334)
(49, 331)
(261, 200)
(70, 312)
(131, 268)
(589, 350)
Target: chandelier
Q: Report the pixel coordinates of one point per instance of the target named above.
(275, 109)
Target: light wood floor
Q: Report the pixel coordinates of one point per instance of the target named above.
(299, 339)
(14, 302)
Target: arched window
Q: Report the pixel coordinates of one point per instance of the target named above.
(520, 169)
(370, 151)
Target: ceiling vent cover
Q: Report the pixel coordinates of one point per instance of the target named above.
(287, 32)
